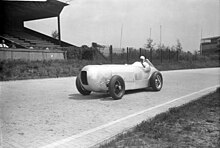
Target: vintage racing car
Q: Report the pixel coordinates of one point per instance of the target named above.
(115, 79)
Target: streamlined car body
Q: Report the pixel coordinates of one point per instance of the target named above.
(115, 79)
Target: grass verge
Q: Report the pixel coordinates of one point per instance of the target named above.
(196, 124)
(19, 70)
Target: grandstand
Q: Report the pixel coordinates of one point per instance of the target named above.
(21, 39)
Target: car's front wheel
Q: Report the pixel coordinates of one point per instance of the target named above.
(156, 81)
(116, 87)
(80, 88)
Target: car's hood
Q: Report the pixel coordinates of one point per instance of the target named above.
(110, 68)
(116, 67)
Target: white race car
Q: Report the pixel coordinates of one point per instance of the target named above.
(115, 79)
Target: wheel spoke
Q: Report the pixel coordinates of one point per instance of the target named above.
(158, 81)
(118, 87)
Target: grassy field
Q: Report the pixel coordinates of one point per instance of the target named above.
(19, 70)
(196, 124)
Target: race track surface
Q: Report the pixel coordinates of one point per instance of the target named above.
(51, 112)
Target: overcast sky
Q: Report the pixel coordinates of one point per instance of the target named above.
(87, 21)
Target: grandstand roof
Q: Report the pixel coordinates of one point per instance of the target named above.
(209, 38)
(26, 10)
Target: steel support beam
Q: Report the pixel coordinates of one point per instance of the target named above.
(59, 31)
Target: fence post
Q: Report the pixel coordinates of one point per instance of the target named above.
(195, 56)
(146, 53)
(140, 52)
(169, 54)
(127, 55)
(110, 51)
(177, 54)
(151, 58)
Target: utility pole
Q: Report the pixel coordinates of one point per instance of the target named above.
(160, 44)
(121, 35)
(150, 48)
(201, 42)
(219, 17)
(201, 33)
(160, 35)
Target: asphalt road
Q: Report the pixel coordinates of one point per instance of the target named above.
(35, 113)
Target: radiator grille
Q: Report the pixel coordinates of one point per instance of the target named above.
(84, 77)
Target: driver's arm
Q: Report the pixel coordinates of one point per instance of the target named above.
(146, 66)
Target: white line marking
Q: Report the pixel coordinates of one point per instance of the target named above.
(57, 143)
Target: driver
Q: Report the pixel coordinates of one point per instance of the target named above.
(144, 63)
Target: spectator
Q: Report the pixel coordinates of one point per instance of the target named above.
(13, 44)
(3, 45)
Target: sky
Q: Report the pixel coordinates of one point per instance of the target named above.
(127, 23)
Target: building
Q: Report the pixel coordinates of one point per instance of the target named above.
(24, 43)
(210, 46)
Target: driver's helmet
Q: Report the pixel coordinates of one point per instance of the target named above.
(142, 58)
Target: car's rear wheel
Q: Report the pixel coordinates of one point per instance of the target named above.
(156, 81)
(116, 87)
(80, 88)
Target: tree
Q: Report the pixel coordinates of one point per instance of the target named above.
(55, 34)
(178, 46)
(161, 47)
(149, 44)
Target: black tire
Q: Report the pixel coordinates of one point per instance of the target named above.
(156, 81)
(116, 87)
(80, 88)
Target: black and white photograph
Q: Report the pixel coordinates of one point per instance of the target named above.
(110, 74)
